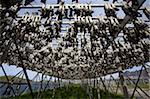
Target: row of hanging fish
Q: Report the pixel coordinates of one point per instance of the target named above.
(81, 51)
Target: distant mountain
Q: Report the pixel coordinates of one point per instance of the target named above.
(12, 79)
(135, 74)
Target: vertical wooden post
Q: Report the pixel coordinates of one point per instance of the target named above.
(124, 88)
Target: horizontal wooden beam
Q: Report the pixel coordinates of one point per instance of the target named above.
(71, 5)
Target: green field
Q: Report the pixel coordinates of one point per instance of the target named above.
(142, 85)
(74, 91)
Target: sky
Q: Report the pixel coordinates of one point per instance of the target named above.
(12, 70)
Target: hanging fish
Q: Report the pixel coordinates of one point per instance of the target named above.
(77, 1)
(43, 1)
(27, 2)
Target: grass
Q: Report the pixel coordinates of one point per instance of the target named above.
(3, 78)
(74, 91)
(142, 85)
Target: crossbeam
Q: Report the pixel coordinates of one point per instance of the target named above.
(71, 5)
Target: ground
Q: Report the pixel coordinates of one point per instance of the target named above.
(73, 91)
